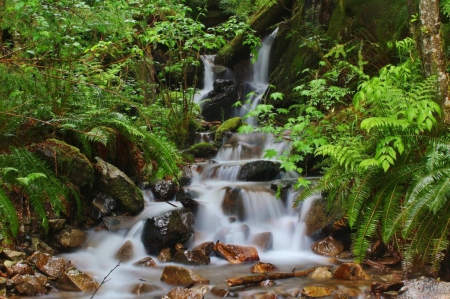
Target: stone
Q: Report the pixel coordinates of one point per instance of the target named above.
(105, 203)
(165, 255)
(206, 247)
(263, 240)
(236, 254)
(143, 288)
(323, 220)
(425, 288)
(317, 291)
(186, 198)
(261, 267)
(202, 150)
(71, 238)
(165, 230)
(232, 204)
(230, 125)
(19, 268)
(175, 275)
(328, 247)
(14, 256)
(117, 184)
(194, 257)
(125, 252)
(163, 190)
(39, 245)
(183, 293)
(260, 170)
(51, 266)
(115, 223)
(321, 273)
(350, 271)
(381, 287)
(220, 99)
(76, 281)
(218, 292)
(146, 262)
(57, 224)
(30, 285)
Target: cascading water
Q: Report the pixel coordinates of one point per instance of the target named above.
(208, 80)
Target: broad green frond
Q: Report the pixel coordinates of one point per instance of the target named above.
(359, 194)
(9, 223)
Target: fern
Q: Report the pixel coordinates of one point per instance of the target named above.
(9, 222)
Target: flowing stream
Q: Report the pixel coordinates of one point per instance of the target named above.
(261, 212)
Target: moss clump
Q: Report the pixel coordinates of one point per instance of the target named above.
(202, 150)
(67, 160)
(230, 125)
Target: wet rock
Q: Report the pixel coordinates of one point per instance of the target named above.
(376, 249)
(321, 273)
(220, 98)
(71, 238)
(379, 287)
(317, 291)
(267, 283)
(232, 204)
(266, 295)
(182, 293)
(14, 256)
(263, 241)
(125, 252)
(347, 293)
(328, 247)
(19, 269)
(202, 150)
(143, 288)
(76, 281)
(323, 220)
(51, 266)
(186, 198)
(68, 160)
(194, 257)
(165, 255)
(261, 267)
(175, 226)
(230, 125)
(30, 285)
(163, 190)
(57, 224)
(425, 288)
(117, 184)
(202, 289)
(260, 170)
(39, 245)
(283, 188)
(105, 203)
(218, 292)
(389, 261)
(350, 271)
(236, 254)
(114, 223)
(146, 262)
(206, 247)
(175, 275)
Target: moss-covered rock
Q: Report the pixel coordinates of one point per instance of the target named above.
(230, 125)
(202, 150)
(117, 184)
(67, 160)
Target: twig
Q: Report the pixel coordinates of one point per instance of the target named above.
(105, 280)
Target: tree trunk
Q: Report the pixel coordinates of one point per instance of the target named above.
(431, 51)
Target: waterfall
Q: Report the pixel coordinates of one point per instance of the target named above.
(208, 80)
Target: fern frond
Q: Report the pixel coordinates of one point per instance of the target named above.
(359, 194)
(345, 156)
(8, 215)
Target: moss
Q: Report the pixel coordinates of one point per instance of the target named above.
(67, 160)
(202, 150)
(230, 125)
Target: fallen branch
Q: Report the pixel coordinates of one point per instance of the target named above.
(254, 279)
(105, 280)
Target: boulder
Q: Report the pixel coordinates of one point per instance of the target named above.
(76, 281)
(425, 288)
(350, 271)
(194, 257)
(125, 252)
(30, 285)
(261, 170)
(263, 241)
(165, 230)
(19, 268)
(236, 254)
(183, 293)
(175, 275)
(143, 288)
(328, 247)
(71, 238)
(232, 204)
(202, 150)
(220, 100)
(114, 223)
(146, 262)
(186, 198)
(230, 125)
(163, 190)
(317, 291)
(68, 160)
(117, 184)
(51, 266)
(261, 267)
(206, 247)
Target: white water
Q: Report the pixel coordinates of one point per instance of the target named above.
(208, 81)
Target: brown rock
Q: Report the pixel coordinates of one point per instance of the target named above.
(194, 257)
(175, 275)
(267, 283)
(30, 285)
(182, 293)
(179, 247)
(72, 238)
(76, 281)
(268, 295)
(125, 252)
(321, 273)
(317, 291)
(51, 266)
(264, 241)
(236, 254)
(146, 262)
(57, 224)
(350, 271)
(328, 247)
(218, 292)
(39, 245)
(114, 223)
(380, 287)
(143, 288)
(19, 269)
(165, 256)
(14, 256)
(261, 267)
(233, 204)
(206, 247)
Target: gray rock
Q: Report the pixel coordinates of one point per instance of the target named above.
(114, 223)
(259, 171)
(163, 190)
(425, 288)
(105, 203)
